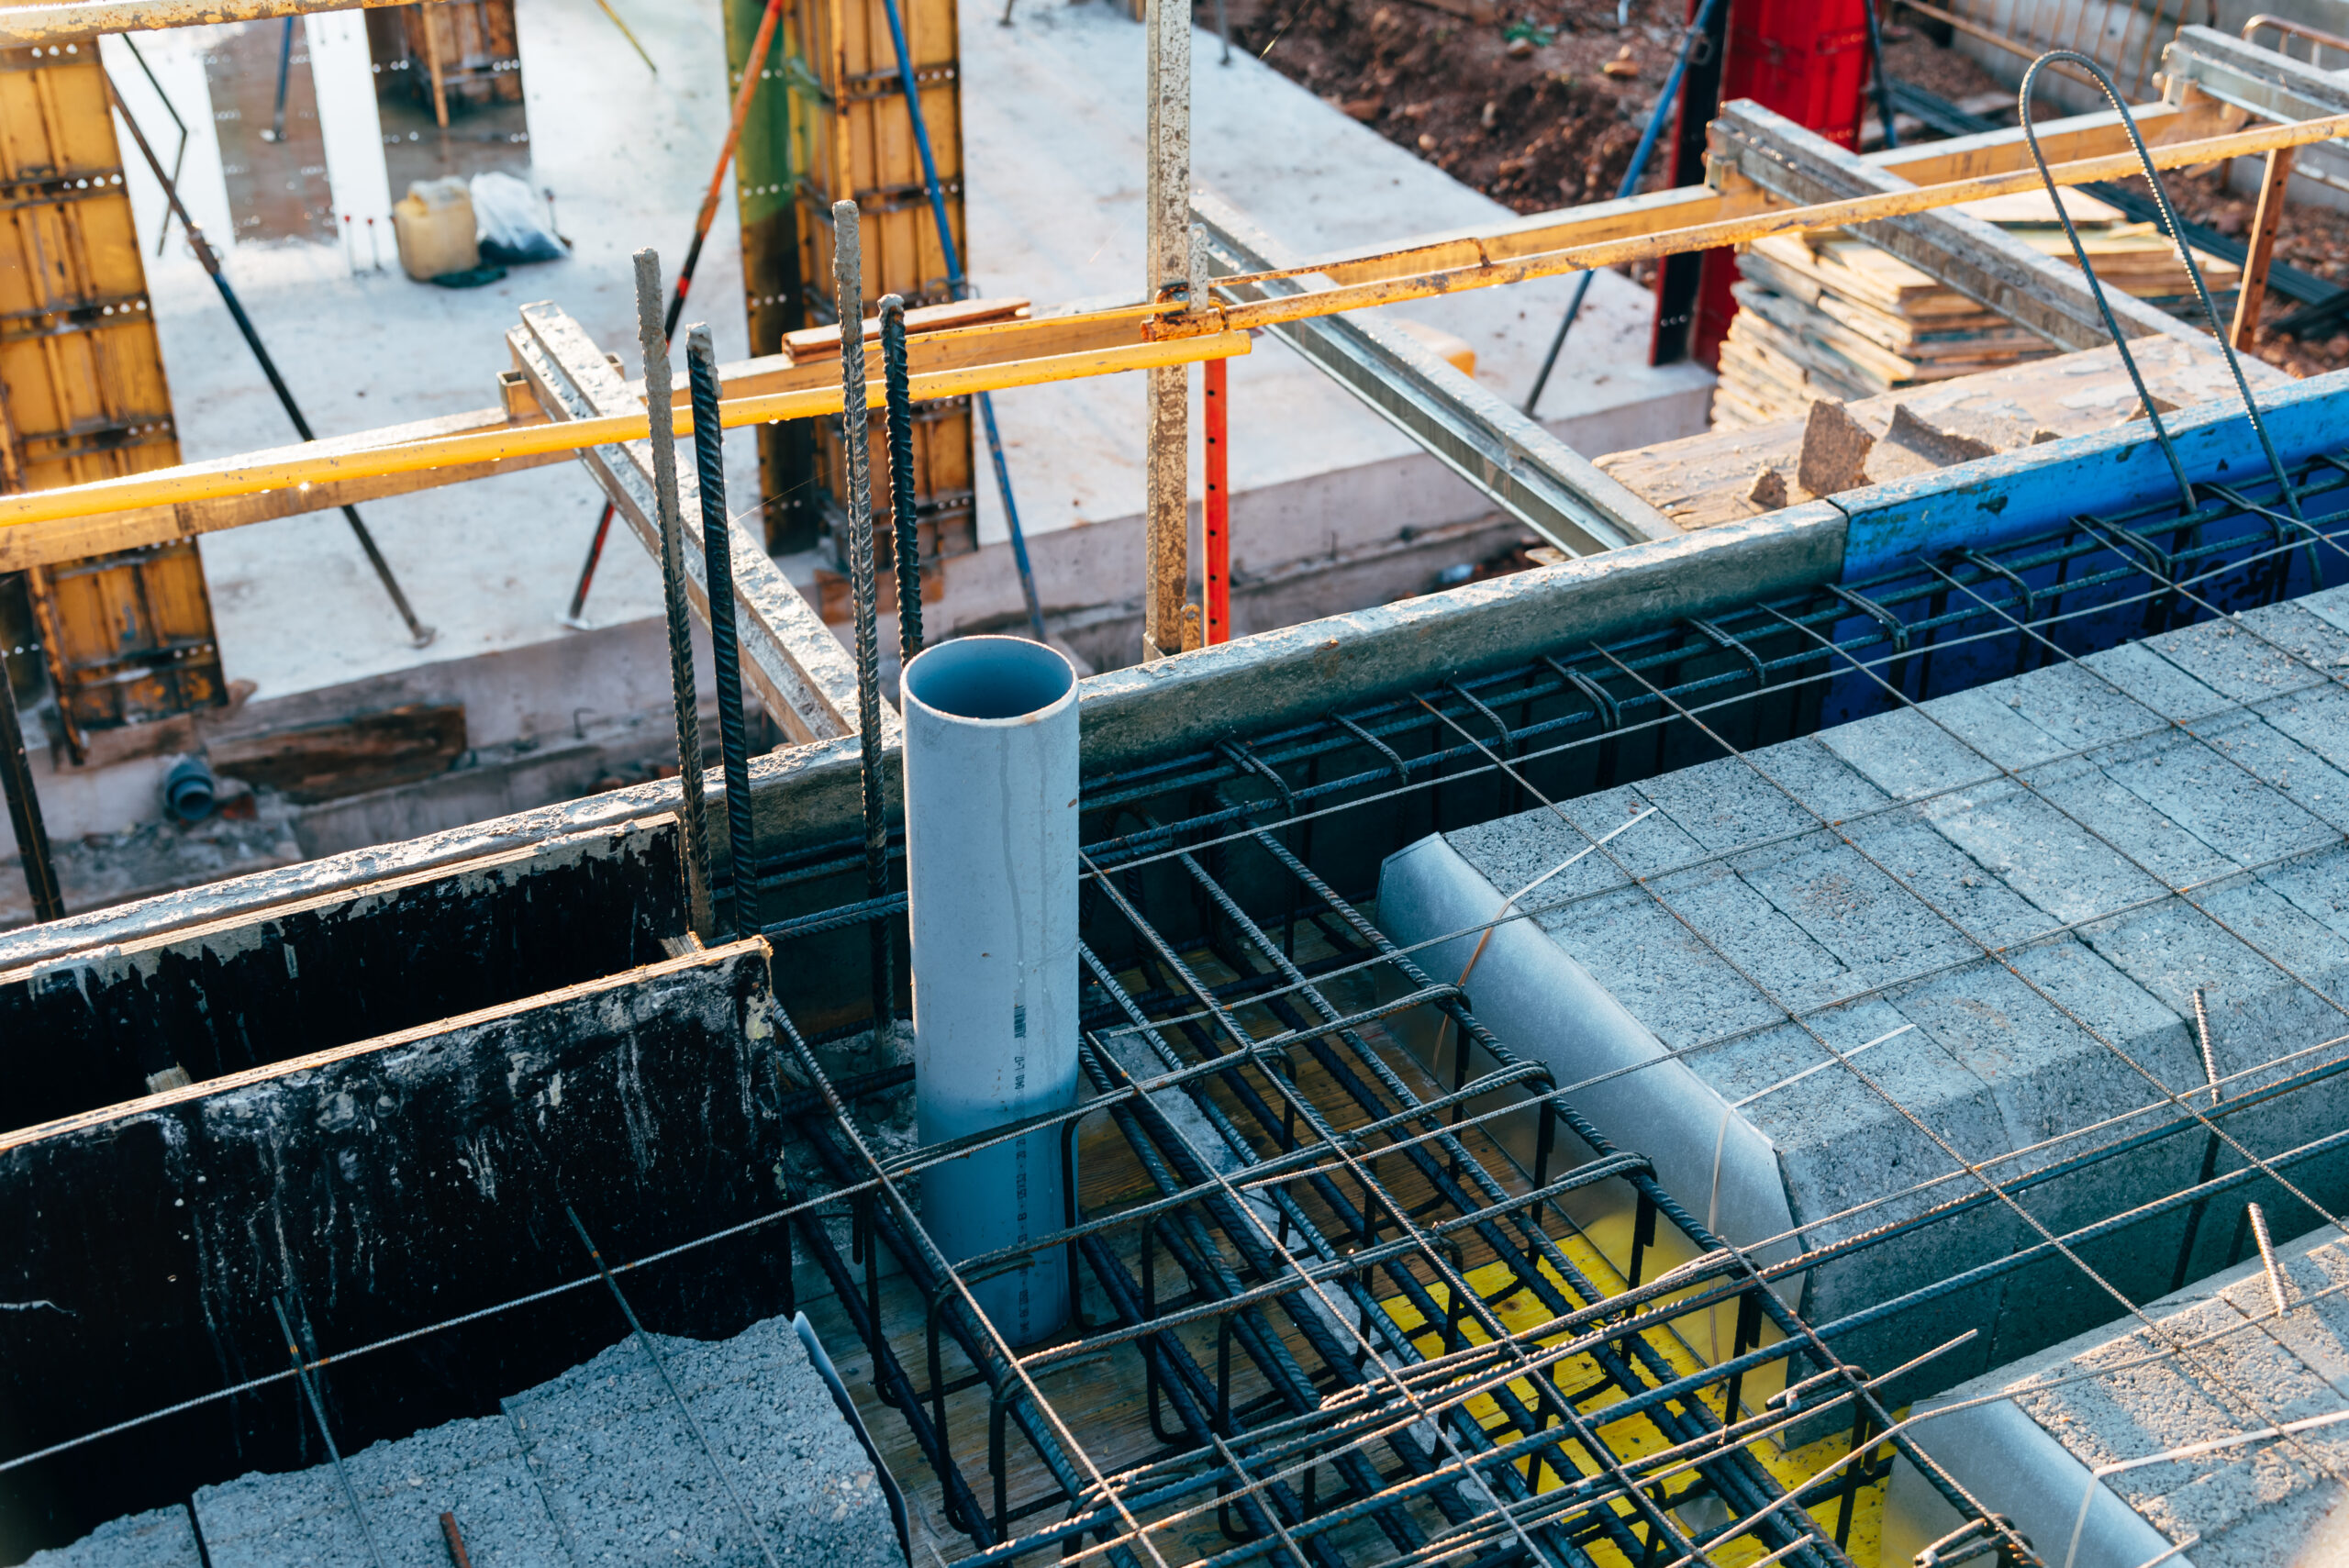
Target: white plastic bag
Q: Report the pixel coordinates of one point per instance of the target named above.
(513, 227)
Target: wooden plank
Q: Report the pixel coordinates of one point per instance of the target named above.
(2268, 219)
(857, 133)
(261, 985)
(1973, 257)
(326, 762)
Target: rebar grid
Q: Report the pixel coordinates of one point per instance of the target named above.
(1437, 1421)
(2078, 588)
(1371, 1322)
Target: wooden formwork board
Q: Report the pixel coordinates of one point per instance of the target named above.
(854, 139)
(857, 140)
(82, 396)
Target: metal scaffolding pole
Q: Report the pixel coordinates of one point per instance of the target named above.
(1166, 204)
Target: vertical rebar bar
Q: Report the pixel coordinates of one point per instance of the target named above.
(644, 1340)
(724, 646)
(660, 394)
(899, 383)
(2276, 1287)
(848, 286)
(2194, 1216)
(23, 810)
(318, 1410)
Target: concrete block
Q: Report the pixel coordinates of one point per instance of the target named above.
(2163, 690)
(1727, 805)
(1905, 755)
(2038, 850)
(1842, 1142)
(629, 1482)
(2199, 785)
(1904, 843)
(2275, 747)
(2257, 1013)
(2079, 703)
(2272, 650)
(2111, 1396)
(472, 1469)
(1658, 969)
(2094, 802)
(595, 1466)
(1877, 931)
(2317, 718)
(2049, 819)
(162, 1539)
(1989, 721)
(1823, 782)
(1515, 851)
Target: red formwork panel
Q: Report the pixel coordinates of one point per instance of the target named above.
(1807, 59)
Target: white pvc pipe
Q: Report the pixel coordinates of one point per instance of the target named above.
(991, 776)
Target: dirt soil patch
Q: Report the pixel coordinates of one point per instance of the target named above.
(1539, 108)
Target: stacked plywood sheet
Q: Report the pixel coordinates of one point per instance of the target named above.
(1830, 316)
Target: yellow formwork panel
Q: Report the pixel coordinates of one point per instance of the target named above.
(853, 139)
(82, 395)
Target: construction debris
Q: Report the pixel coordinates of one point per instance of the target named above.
(1700, 482)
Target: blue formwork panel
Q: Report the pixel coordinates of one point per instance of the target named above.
(2077, 538)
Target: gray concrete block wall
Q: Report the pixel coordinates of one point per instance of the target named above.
(2120, 831)
(2124, 1394)
(595, 1467)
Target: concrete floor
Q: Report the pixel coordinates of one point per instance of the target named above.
(490, 564)
(1057, 97)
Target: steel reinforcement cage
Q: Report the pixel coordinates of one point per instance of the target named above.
(1358, 1284)
(1466, 1368)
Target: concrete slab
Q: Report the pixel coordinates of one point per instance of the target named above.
(491, 564)
(1054, 127)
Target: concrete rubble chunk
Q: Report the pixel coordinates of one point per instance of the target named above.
(1834, 449)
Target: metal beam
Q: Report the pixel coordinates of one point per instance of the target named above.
(2272, 87)
(802, 672)
(1520, 467)
(1978, 259)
